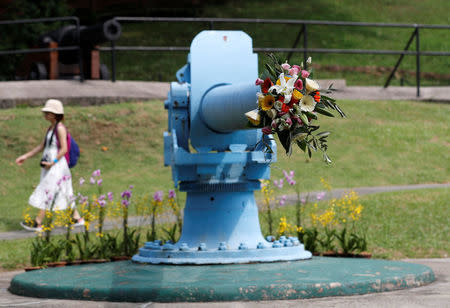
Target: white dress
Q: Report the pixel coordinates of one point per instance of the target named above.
(56, 181)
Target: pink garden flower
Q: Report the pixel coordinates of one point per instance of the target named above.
(298, 84)
(259, 82)
(82, 180)
(320, 195)
(92, 181)
(267, 130)
(285, 66)
(305, 74)
(158, 196)
(96, 173)
(110, 196)
(278, 183)
(172, 194)
(99, 182)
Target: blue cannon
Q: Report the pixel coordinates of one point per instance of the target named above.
(216, 160)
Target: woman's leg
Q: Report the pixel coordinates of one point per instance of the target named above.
(40, 217)
(76, 215)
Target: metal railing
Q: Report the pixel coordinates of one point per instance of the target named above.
(212, 22)
(303, 33)
(77, 47)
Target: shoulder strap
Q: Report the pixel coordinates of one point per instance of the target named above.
(53, 133)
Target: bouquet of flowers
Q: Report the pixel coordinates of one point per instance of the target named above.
(289, 103)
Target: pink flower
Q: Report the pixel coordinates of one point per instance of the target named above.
(99, 182)
(96, 173)
(131, 187)
(282, 201)
(320, 195)
(92, 181)
(279, 183)
(305, 74)
(289, 121)
(298, 84)
(125, 202)
(66, 178)
(81, 181)
(158, 196)
(285, 66)
(274, 124)
(126, 194)
(294, 70)
(289, 177)
(172, 194)
(110, 196)
(259, 82)
(303, 200)
(267, 130)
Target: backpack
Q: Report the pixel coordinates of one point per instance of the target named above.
(73, 150)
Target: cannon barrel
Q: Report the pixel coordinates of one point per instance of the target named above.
(223, 106)
(90, 36)
(110, 30)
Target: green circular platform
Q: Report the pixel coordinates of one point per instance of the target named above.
(130, 282)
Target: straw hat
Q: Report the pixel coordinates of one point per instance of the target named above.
(54, 106)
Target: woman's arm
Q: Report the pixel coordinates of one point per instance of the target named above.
(62, 137)
(22, 158)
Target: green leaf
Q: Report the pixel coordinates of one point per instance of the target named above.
(304, 118)
(324, 112)
(302, 145)
(271, 71)
(285, 140)
(311, 115)
(323, 134)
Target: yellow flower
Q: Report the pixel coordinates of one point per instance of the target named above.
(266, 102)
(296, 94)
(285, 78)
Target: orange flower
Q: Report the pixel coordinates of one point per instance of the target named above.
(317, 96)
(104, 149)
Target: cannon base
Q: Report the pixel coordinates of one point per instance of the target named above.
(157, 255)
(129, 282)
(222, 227)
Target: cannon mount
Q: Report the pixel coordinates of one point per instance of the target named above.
(216, 160)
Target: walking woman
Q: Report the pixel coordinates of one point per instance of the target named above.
(54, 191)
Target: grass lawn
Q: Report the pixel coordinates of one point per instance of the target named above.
(381, 143)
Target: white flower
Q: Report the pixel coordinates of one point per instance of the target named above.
(311, 85)
(309, 61)
(253, 116)
(285, 88)
(307, 103)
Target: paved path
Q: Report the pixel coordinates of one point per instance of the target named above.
(290, 199)
(436, 294)
(94, 92)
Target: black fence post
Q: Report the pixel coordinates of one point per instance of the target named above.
(80, 56)
(417, 61)
(113, 61)
(299, 35)
(305, 45)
